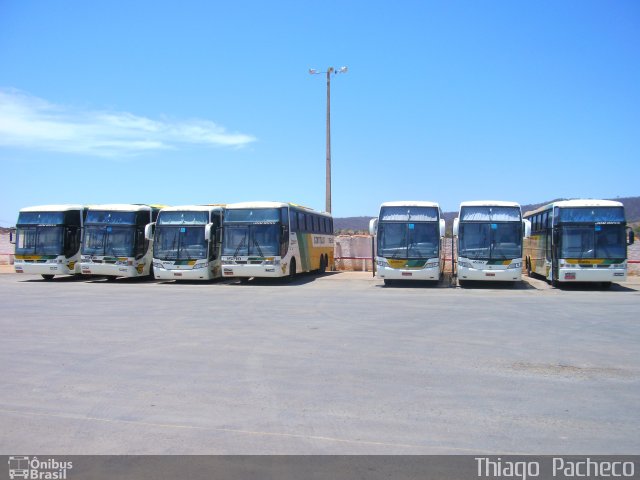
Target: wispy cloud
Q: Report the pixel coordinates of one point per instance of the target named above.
(33, 123)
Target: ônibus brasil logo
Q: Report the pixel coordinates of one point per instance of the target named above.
(32, 468)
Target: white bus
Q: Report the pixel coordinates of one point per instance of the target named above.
(273, 239)
(48, 240)
(578, 241)
(187, 243)
(489, 241)
(409, 241)
(114, 240)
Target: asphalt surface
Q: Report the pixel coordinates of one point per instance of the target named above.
(337, 364)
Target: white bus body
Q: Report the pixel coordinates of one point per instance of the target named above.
(578, 241)
(114, 240)
(48, 240)
(273, 239)
(187, 243)
(489, 237)
(409, 241)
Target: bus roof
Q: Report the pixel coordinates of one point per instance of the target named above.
(53, 208)
(122, 207)
(581, 202)
(489, 203)
(410, 203)
(261, 204)
(193, 208)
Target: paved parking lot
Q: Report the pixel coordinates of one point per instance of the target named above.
(335, 364)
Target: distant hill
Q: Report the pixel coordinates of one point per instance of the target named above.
(350, 225)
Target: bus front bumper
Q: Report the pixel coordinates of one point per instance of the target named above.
(110, 269)
(592, 275)
(161, 273)
(388, 273)
(269, 271)
(502, 275)
(21, 266)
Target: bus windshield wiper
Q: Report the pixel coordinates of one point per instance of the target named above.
(257, 244)
(235, 254)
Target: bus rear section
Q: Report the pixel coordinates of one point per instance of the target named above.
(48, 240)
(187, 242)
(489, 237)
(114, 240)
(273, 239)
(409, 241)
(579, 241)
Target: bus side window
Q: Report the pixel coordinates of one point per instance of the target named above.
(284, 216)
(302, 226)
(331, 226)
(293, 221)
(315, 224)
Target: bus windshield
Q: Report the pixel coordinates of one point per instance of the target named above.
(41, 240)
(490, 241)
(40, 218)
(179, 243)
(408, 240)
(591, 214)
(109, 241)
(110, 217)
(255, 239)
(481, 213)
(593, 241)
(183, 218)
(252, 215)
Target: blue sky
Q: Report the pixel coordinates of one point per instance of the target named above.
(208, 102)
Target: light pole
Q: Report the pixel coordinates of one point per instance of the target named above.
(330, 70)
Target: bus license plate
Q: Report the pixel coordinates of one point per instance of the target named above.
(489, 274)
(407, 274)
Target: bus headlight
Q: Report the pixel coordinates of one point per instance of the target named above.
(515, 265)
(432, 265)
(269, 261)
(200, 265)
(464, 264)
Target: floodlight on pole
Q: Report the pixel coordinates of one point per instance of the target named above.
(329, 71)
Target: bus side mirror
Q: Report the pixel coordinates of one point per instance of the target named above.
(443, 228)
(527, 228)
(149, 230)
(556, 237)
(284, 230)
(373, 226)
(207, 231)
(632, 237)
(12, 236)
(456, 226)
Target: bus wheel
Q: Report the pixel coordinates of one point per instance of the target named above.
(151, 274)
(323, 264)
(292, 270)
(605, 285)
(388, 282)
(47, 276)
